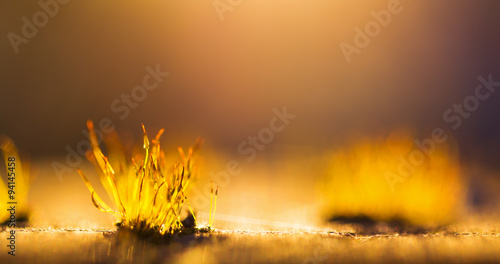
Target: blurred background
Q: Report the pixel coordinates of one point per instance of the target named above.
(230, 66)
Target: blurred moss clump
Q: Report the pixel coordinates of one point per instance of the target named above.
(14, 185)
(391, 179)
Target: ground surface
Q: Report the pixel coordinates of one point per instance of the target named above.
(102, 246)
(266, 214)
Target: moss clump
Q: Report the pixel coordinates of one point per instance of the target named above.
(149, 198)
(16, 187)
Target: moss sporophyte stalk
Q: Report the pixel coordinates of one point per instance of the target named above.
(147, 196)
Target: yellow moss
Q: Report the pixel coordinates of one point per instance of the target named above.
(147, 196)
(358, 182)
(21, 181)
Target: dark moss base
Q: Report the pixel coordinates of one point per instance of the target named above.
(22, 220)
(368, 225)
